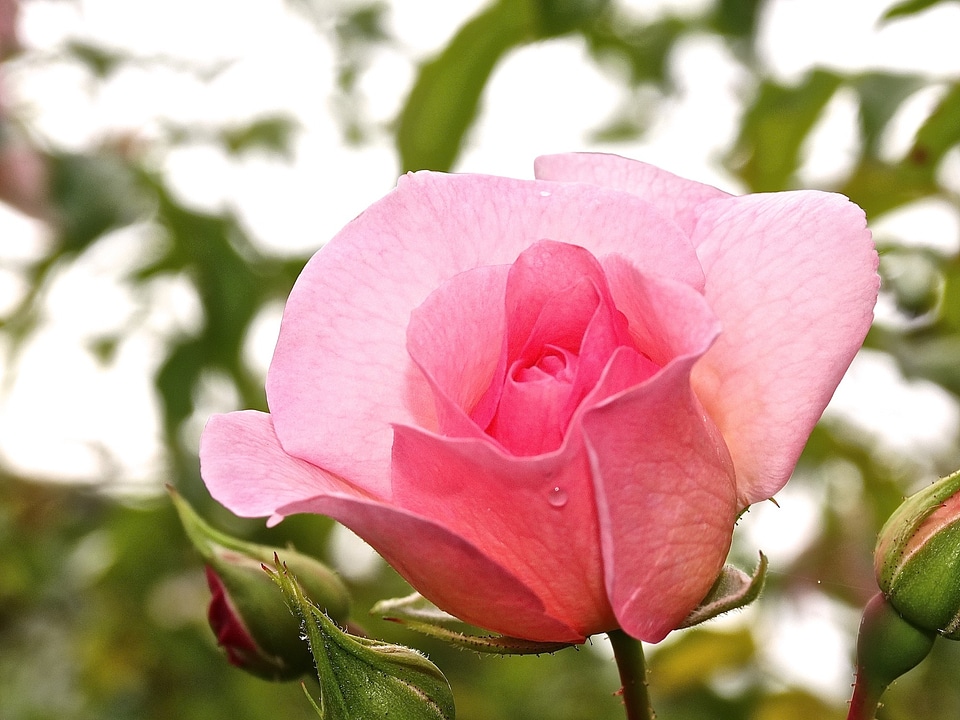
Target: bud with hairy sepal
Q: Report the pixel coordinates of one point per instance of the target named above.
(917, 559)
(247, 614)
(364, 678)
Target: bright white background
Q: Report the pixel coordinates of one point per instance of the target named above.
(65, 416)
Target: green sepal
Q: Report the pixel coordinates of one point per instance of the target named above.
(364, 678)
(417, 613)
(732, 590)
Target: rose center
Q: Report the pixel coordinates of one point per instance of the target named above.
(553, 363)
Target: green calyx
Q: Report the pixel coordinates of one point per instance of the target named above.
(364, 678)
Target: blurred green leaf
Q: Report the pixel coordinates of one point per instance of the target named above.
(737, 18)
(775, 126)
(881, 94)
(696, 656)
(272, 134)
(93, 193)
(645, 48)
(940, 132)
(99, 60)
(446, 95)
(911, 7)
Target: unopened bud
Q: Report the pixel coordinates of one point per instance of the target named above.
(917, 559)
(247, 613)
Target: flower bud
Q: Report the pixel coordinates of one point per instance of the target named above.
(365, 678)
(917, 559)
(247, 613)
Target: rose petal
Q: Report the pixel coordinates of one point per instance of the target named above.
(792, 277)
(666, 499)
(674, 196)
(341, 374)
(455, 338)
(534, 515)
(245, 469)
(446, 569)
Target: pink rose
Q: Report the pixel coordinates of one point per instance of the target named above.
(545, 402)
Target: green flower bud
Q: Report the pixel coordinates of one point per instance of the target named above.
(364, 678)
(247, 614)
(917, 559)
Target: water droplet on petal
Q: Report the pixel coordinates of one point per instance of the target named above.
(544, 193)
(557, 497)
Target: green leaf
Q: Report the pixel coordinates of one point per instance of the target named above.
(881, 95)
(910, 7)
(698, 655)
(939, 132)
(774, 128)
(732, 590)
(100, 61)
(737, 18)
(645, 48)
(272, 134)
(446, 95)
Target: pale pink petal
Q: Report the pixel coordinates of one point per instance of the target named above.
(674, 196)
(246, 470)
(534, 515)
(666, 499)
(446, 569)
(341, 373)
(792, 277)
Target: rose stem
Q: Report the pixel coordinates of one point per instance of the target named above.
(628, 653)
(865, 701)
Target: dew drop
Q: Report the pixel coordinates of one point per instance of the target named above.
(544, 193)
(557, 497)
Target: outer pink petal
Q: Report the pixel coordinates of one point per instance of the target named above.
(341, 374)
(666, 499)
(674, 196)
(793, 278)
(245, 469)
(534, 515)
(446, 569)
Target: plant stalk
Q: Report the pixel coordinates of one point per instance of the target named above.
(628, 653)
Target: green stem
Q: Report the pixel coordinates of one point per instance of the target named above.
(865, 701)
(633, 674)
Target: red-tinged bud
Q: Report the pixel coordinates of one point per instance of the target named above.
(247, 612)
(917, 559)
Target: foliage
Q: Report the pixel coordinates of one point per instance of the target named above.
(101, 598)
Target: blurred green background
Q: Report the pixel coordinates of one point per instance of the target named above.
(102, 602)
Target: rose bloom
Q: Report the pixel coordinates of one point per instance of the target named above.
(546, 402)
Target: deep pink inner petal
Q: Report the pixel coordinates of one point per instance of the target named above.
(455, 339)
(562, 329)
